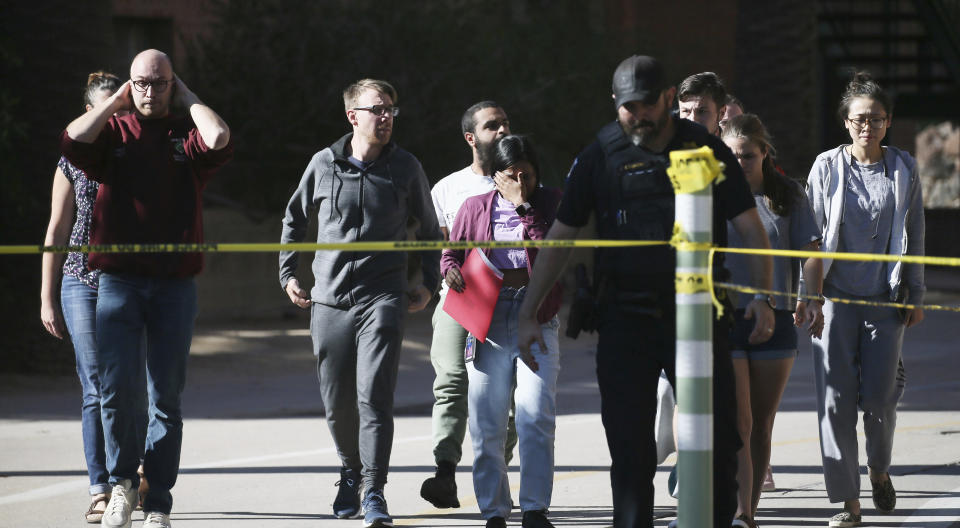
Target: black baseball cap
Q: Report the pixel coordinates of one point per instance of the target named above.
(638, 78)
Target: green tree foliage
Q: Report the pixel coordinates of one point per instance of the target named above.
(276, 70)
(46, 50)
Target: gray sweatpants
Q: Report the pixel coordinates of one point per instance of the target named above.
(358, 353)
(856, 363)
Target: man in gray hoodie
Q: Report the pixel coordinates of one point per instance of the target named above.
(362, 188)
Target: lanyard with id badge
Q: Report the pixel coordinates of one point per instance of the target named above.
(470, 349)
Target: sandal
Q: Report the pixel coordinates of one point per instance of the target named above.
(98, 505)
(743, 521)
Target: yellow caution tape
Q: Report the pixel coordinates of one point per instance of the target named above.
(869, 257)
(692, 282)
(685, 282)
(694, 169)
(860, 302)
(415, 245)
(678, 241)
(713, 290)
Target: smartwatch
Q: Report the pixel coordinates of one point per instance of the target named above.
(524, 208)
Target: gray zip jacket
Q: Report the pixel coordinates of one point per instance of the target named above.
(825, 188)
(352, 205)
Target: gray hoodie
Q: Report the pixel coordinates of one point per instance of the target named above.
(825, 188)
(373, 204)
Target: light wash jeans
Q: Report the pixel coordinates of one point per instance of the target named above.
(450, 390)
(79, 304)
(493, 374)
(164, 308)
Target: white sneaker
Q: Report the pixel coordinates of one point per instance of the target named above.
(123, 499)
(156, 519)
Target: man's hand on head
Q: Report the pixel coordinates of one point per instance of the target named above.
(182, 96)
(122, 99)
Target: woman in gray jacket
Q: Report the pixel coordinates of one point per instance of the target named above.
(866, 199)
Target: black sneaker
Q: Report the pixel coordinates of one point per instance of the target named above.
(884, 496)
(441, 489)
(375, 509)
(347, 503)
(496, 522)
(535, 519)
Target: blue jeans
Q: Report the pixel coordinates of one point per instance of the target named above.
(165, 309)
(79, 304)
(494, 374)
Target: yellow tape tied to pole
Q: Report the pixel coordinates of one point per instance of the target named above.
(693, 170)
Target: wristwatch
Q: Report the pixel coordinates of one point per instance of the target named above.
(817, 297)
(771, 302)
(524, 208)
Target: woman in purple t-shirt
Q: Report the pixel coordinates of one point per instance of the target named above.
(68, 298)
(519, 209)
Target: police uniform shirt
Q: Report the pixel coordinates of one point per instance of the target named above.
(584, 194)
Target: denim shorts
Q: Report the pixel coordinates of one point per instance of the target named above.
(782, 345)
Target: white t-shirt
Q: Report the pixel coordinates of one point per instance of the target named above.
(450, 193)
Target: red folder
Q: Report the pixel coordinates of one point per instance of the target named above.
(473, 308)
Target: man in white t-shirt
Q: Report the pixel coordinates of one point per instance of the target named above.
(482, 124)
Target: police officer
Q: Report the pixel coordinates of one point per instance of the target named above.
(621, 178)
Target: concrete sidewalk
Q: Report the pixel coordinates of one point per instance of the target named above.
(257, 452)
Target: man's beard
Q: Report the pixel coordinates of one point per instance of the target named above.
(485, 155)
(645, 132)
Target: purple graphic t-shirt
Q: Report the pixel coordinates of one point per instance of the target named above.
(507, 226)
(85, 193)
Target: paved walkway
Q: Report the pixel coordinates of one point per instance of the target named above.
(256, 452)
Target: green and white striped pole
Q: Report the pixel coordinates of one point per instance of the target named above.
(692, 173)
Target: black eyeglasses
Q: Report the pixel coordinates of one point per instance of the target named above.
(861, 121)
(158, 86)
(381, 110)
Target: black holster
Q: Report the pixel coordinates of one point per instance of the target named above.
(583, 310)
